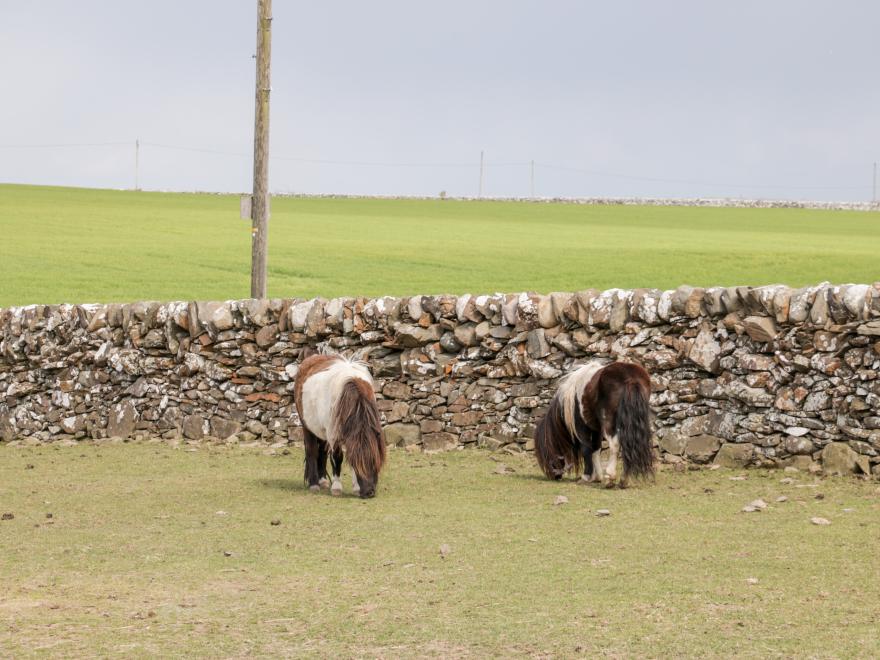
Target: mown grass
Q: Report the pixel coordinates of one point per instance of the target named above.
(77, 245)
(134, 560)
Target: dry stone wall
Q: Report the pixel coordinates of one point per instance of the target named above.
(716, 202)
(741, 376)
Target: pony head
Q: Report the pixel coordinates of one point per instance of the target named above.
(555, 446)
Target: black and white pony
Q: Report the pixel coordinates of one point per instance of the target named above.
(337, 408)
(596, 402)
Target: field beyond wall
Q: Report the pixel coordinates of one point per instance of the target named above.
(79, 245)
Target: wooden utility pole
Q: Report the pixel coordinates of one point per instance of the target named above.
(874, 190)
(260, 204)
(532, 180)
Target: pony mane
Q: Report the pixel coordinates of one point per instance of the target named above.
(324, 348)
(356, 362)
(571, 388)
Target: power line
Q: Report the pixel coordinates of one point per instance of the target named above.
(319, 161)
(325, 161)
(532, 165)
(65, 146)
(692, 182)
(200, 150)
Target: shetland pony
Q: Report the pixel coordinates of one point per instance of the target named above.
(337, 408)
(593, 402)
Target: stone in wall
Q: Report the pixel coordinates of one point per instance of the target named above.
(741, 375)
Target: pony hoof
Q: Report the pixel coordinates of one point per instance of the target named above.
(315, 489)
(324, 483)
(610, 484)
(335, 492)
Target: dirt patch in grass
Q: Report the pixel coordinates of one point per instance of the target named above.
(151, 550)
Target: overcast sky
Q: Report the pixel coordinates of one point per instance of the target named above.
(755, 98)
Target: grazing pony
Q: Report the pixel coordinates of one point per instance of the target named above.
(593, 402)
(337, 408)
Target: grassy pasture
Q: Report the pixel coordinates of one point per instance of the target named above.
(78, 245)
(153, 551)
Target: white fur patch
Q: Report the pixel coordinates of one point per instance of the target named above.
(613, 453)
(597, 466)
(571, 389)
(321, 392)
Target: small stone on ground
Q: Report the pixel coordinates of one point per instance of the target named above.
(754, 505)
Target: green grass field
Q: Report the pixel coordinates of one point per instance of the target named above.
(77, 245)
(152, 551)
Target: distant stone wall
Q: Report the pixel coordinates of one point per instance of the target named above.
(713, 202)
(742, 376)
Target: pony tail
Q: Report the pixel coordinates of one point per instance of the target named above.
(633, 429)
(555, 448)
(360, 427)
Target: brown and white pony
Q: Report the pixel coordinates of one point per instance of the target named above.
(593, 402)
(337, 408)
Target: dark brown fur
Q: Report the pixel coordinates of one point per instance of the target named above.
(615, 402)
(555, 447)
